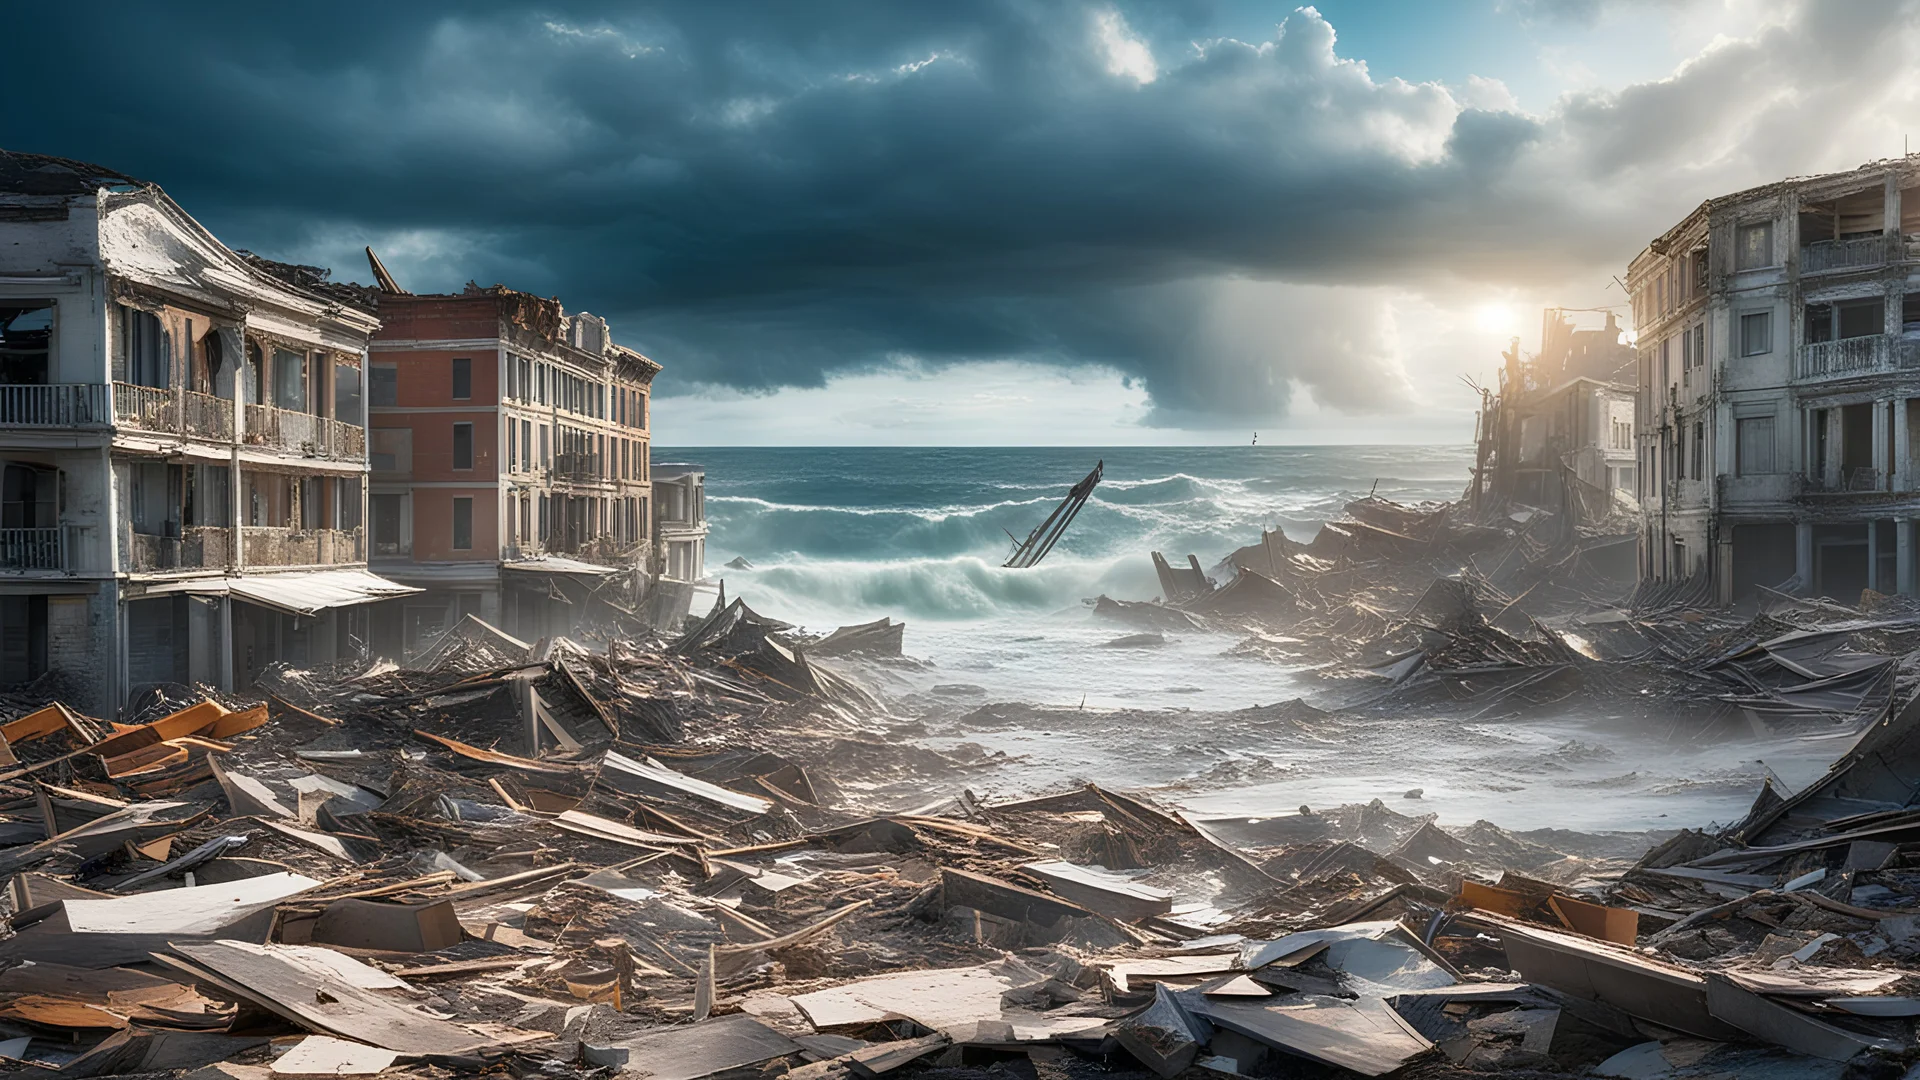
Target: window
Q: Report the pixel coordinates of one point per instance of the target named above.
(1754, 450)
(383, 384)
(546, 456)
(463, 524)
(526, 446)
(346, 394)
(1753, 246)
(1756, 333)
(386, 525)
(513, 438)
(462, 378)
(146, 344)
(1699, 450)
(26, 341)
(290, 380)
(463, 446)
(1700, 344)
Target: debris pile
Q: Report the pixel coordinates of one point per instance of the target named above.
(679, 858)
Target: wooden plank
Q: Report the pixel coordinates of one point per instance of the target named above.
(324, 1055)
(1659, 993)
(493, 757)
(1366, 1035)
(882, 1058)
(695, 1050)
(1618, 925)
(247, 796)
(619, 832)
(235, 723)
(1101, 891)
(321, 1003)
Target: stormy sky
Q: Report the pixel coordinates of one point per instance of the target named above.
(991, 222)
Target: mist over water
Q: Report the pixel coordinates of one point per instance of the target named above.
(838, 536)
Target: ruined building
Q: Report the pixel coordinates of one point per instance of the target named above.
(1558, 434)
(183, 447)
(680, 526)
(510, 462)
(1779, 348)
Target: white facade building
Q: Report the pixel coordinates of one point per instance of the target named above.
(1778, 332)
(183, 446)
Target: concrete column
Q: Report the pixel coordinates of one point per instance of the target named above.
(1903, 557)
(1873, 554)
(1803, 555)
(1882, 462)
(1902, 452)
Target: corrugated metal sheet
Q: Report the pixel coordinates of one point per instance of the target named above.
(302, 592)
(554, 564)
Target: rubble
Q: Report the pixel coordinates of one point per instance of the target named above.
(686, 857)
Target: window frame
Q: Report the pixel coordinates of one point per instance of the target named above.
(454, 454)
(461, 502)
(1740, 246)
(462, 378)
(1765, 317)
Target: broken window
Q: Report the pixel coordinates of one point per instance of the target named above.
(463, 524)
(1753, 451)
(26, 340)
(463, 446)
(1756, 333)
(1754, 246)
(462, 378)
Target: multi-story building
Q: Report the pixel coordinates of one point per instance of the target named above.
(1779, 343)
(182, 442)
(510, 461)
(680, 509)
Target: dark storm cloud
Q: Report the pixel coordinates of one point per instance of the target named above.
(763, 194)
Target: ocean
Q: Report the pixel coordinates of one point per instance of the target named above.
(842, 535)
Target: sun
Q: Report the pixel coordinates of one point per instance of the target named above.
(1496, 319)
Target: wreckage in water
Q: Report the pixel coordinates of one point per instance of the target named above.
(1041, 540)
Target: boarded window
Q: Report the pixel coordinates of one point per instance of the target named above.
(1755, 450)
(463, 524)
(463, 446)
(1756, 333)
(1754, 245)
(462, 378)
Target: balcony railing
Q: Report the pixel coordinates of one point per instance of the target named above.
(1824, 255)
(148, 408)
(579, 468)
(207, 416)
(199, 547)
(1856, 356)
(56, 405)
(33, 549)
(278, 546)
(305, 434)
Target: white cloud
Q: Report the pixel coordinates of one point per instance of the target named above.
(1125, 54)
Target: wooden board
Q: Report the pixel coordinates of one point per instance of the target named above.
(1773, 1022)
(697, 1050)
(324, 1055)
(1365, 1036)
(322, 1003)
(1598, 971)
(1104, 892)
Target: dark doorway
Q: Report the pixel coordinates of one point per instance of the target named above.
(1762, 555)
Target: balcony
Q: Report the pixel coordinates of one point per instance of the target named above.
(146, 408)
(34, 549)
(1856, 356)
(56, 405)
(578, 468)
(277, 546)
(305, 434)
(199, 547)
(1826, 256)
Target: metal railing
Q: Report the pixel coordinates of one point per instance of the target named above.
(208, 416)
(54, 405)
(33, 549)
(280, 546)
(148, 408)
(1824, 255)
(579, 468)
(1849, 357)
(305, 434)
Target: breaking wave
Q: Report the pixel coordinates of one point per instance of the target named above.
(921, 534)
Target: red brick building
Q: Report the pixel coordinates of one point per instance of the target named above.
(508, 442)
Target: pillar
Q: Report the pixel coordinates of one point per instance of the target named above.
(1882, 461)
(1803, 555)
(1902, 451)
(1903, 556)
(1873, 554)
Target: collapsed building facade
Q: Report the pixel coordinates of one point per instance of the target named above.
(510, 461)
(184, 448)
(1779, 349)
